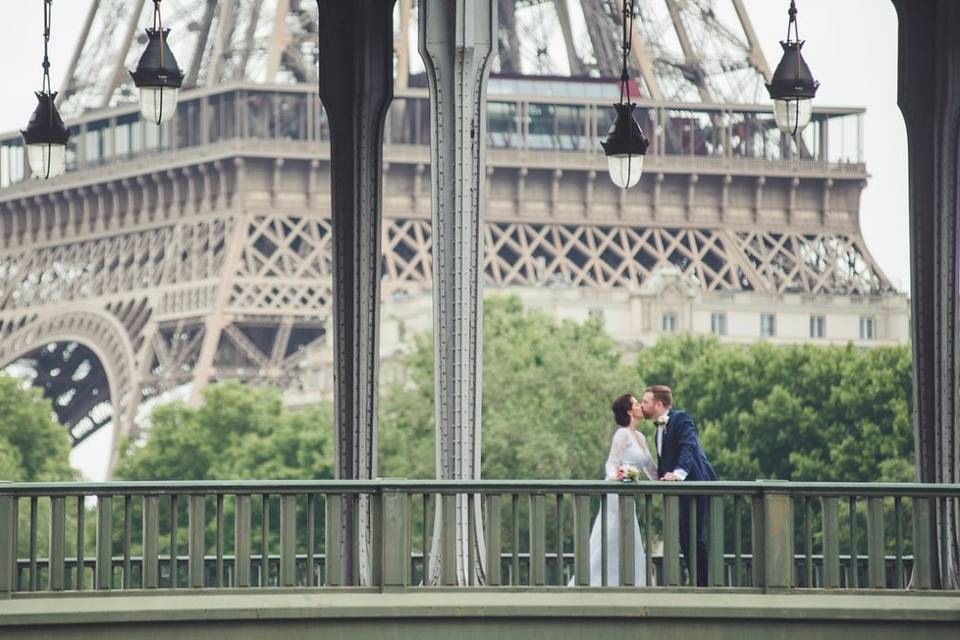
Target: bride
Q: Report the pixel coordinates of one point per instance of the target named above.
(628, 447)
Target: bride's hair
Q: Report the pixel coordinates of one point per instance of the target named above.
(621, 409)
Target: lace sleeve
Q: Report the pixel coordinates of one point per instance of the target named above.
(649, 467)
(618, 445)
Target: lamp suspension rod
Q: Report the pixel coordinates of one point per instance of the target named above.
(45, 84)
(792, 12)
(158, 26)
(628, 12)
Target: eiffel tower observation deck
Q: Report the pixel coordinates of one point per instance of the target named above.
(200, 251)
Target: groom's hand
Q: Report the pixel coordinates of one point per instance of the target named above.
(670, 476)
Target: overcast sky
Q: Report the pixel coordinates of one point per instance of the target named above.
(851, 47)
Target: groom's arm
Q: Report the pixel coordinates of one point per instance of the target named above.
(687, 445)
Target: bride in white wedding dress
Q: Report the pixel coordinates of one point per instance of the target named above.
(627, 447)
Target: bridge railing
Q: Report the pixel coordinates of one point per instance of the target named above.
(768, 535)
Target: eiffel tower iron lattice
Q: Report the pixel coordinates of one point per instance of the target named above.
(201, 251)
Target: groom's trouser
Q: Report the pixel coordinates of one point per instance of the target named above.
(702, 505)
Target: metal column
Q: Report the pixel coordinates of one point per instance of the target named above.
(356, 87)
(456, 43)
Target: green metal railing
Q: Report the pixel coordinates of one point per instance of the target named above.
(766, 535)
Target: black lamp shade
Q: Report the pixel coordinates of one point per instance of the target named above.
(792, 79)
(159, 78)
(792, 88)
(157, 67)
(46, 138)
(46, 125)
(625, 147)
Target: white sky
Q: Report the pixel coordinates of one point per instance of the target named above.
(851, 47)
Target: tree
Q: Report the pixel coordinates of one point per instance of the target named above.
(33, 447)
(547, 389)
(238, 432)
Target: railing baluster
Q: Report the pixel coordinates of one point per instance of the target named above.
(311, 538)
(333, 539)
(737, 541)
(104, 570)
(715, 561)
(196, 547)
(395, 529)
(898, 524)
(854, 558)
(538, 540)
(944, 543)
(425, 539)
(150, 570)
(628, 516)
(174, 503)
(876, 560)
(559, 577)
(808, 540)
(693, 556)
(127, 529)
(471, 540)
(671, 540)
(581, 539)
(288, 539)
(604, 536)
(8, 545)
(58, 542)
(81, 559)
(242, 543)
(648, 540)
(494, 577)
(220, 540)
(448, 558)
(830, 514)
(515, 542)
(33, 543)
(922, 552)
(265, 540)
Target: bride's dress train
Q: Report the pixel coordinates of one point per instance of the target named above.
(628, 447)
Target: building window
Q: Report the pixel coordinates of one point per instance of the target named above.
(818, 327)
(670, 322)
(596, 313)
(718, 324)
(768, 325)
(868, 328)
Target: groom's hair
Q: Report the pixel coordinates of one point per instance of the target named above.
(621, 409)
(661, 393)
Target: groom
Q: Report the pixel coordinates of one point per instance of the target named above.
(680, 457)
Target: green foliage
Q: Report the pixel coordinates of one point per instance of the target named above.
(238, 432)
(547, 388)
(801, 412)
(33, 447)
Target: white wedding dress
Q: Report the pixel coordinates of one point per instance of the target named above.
(627, 447)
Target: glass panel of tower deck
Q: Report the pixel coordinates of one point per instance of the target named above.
(530, 116)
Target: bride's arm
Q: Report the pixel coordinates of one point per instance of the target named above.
(649, 468)
(618, 445)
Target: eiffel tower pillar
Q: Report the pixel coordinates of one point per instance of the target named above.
(356, 87)
(456, 43)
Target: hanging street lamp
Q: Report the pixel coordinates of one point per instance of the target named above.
(157, 76)
(625, 145)
(792, 87)
(45, 136)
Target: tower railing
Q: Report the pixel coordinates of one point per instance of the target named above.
(766, 536)
(549, 130)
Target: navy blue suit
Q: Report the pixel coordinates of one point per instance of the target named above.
(680, 449)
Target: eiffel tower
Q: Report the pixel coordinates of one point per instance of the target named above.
(200, 251)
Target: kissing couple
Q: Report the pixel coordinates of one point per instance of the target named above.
(679, 457)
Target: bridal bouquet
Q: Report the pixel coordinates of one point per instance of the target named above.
(628, 473)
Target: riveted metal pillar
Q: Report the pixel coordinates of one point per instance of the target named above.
(456, 43)
(356, 87)
(929, 97)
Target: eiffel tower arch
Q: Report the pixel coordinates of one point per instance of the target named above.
(201, 251)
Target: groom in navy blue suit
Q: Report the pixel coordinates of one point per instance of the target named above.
(680, 457)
